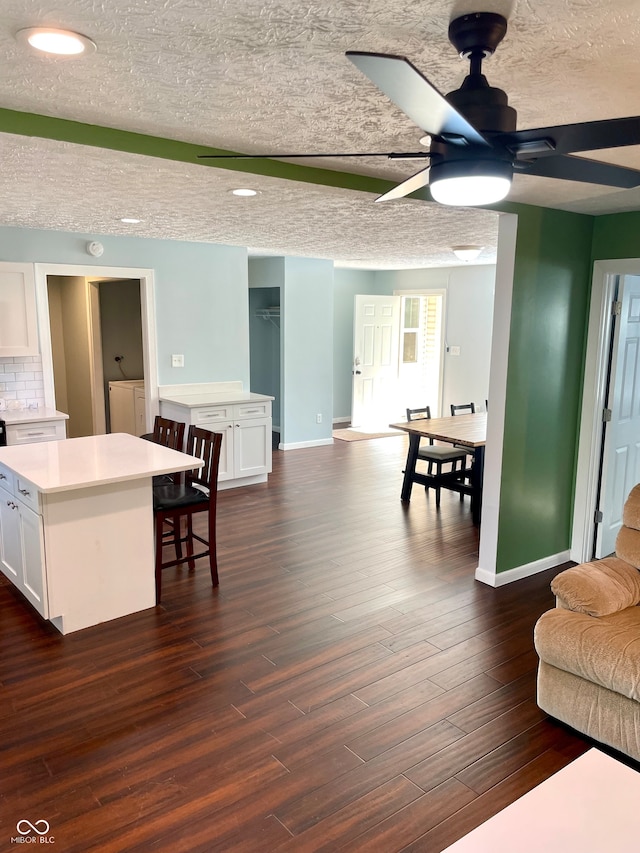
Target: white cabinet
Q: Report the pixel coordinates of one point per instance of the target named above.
(21, 539)
(245, 455)
(251, 447)
(18, 320)
(126, 406)
(34, 430)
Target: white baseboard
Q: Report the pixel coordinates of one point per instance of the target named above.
(511, 575)
(346, 420)
(297, 445)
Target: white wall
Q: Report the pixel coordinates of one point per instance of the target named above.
(469, 322)
(468, 325)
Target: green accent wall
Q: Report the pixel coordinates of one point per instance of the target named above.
(616, 236)
(551, 290)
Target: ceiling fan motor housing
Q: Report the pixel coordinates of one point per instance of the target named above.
(486, 107)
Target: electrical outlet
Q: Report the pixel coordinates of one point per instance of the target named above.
(454, 350)
(177, 361)
(318, 418)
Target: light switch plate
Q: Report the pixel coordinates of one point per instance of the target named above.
(177, 361)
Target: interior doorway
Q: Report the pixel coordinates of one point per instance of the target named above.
(609, 449)
(96, 342)
(103, 296)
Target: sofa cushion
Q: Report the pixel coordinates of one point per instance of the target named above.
(628, 545)
(603, 650)
(598, 588)
(631, 512)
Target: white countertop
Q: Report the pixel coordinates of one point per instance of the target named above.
(28, 416)
(58, 466)
(214, 399)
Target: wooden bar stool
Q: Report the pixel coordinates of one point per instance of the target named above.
(196, 492)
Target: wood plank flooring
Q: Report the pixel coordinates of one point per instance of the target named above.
(348, 687)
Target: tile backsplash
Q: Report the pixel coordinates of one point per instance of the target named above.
(21, 382)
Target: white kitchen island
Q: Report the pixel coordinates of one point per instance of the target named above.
(76, 525)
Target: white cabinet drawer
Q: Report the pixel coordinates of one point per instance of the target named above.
(252, 410)
(6, 478)
(27, 493)
(37, 431)
(202, 417)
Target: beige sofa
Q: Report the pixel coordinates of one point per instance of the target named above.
(589, 645)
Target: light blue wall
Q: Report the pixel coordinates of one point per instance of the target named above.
(306, 328)
(266, 272)
(201, 295)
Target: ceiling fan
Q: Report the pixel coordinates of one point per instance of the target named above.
(475, 147)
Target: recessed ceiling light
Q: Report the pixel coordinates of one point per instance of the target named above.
(129, 220)
(425, 140)
(56, 42)
(244, 191)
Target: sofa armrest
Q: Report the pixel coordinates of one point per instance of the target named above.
(598, 588)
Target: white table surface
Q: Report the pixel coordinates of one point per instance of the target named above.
(587, 807)
(27, 416)
(215, 399)
(58, 466)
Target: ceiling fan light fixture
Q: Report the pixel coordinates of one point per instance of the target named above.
(470, 183)
(56, 42)
(467, 253)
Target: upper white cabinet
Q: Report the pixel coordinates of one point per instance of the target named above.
(18, 319)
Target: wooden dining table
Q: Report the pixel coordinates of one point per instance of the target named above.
(468, 431)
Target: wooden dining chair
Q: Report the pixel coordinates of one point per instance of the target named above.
(467, 409)
(436, 454)
(195, 492)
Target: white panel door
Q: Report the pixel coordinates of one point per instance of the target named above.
(621, 453)
(375, 361)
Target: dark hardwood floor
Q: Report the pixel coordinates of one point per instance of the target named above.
(349, 686)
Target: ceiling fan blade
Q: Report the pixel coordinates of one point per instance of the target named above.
(415, 182)
(569, 168)
(567, 138)
(402, 83)
(390, 155)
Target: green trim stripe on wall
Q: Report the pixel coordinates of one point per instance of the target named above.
(65, 130)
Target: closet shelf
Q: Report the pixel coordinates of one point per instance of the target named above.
(271, 314)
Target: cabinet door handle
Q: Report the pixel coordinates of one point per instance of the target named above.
(3, 476)
(24, 492)
(35, 433)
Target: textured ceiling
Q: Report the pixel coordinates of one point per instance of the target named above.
(258, 75)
